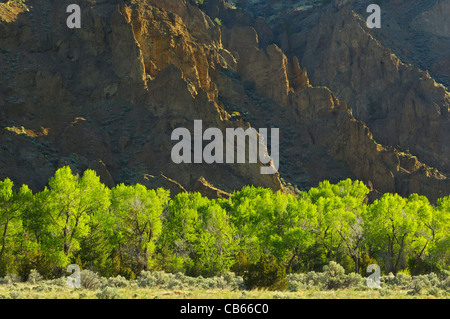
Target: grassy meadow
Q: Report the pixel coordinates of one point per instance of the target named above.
(160, 285)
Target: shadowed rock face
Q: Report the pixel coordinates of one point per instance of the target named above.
(402, 105)
(108, 96)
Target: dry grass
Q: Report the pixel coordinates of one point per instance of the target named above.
(48, 291)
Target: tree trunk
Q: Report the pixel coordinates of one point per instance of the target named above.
(4, 240)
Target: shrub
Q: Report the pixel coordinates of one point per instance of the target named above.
(229, 277)
(61, 282)
(315, 279)
(444, 274)
(354, 280)
(402, 280)
(202, 284)
(146, 279)
(388, 280)
(416, 289)
(90, 279)
(191, 281)
(266, 273)
(334, 276)
(384, 291)
(117, 281)
(445, 284)
(161, 279)
(219, 283)
(297, 282)
(180, 281)
(109, 293)
(418, 283)
(10, 279)
(174, 284)
(295, 286)
(153, 279)
(435, 292)
(444, 277)
(433, 279)
(233, 281)
(423, 281)
(42, 287)
(34, 277)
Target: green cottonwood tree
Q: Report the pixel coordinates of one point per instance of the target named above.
(399, 228)
(327, 236)
(439, 225)
(275, 224)
(293, 232)
(248, 210)
(198, 237)
(340, 218)
(181, 228)
(287, 226)
(420, 208)
(348, 222)
(61, 214)
(12, 204)
(137, 212)
(216, 244)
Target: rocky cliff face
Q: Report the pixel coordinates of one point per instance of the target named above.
(435, 20)
(107, 96)
(425, 41)
(315, 122)
(403, 106)
(112, 92)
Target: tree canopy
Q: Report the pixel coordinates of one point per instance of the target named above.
(130, 228)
